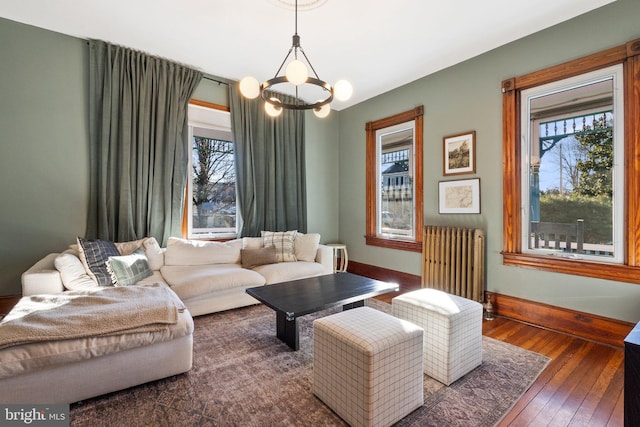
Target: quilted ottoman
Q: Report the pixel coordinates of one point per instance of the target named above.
(367, 366)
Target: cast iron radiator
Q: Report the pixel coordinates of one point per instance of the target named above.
(453, 261)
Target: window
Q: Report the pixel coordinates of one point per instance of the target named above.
(571, 185)
(394, 181)
(573, 167)
(211, 212)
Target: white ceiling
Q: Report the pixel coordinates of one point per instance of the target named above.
(376, 45)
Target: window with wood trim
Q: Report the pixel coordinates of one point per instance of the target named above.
(526, 140)
(210, 206)
(394, 181)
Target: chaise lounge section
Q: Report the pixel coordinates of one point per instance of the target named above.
(204, 277)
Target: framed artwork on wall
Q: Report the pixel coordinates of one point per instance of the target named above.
(459, 154)
(461, 196)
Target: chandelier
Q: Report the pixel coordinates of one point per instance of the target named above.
(297, 74)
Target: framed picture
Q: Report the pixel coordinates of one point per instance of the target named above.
(462, 196)
(459, 153)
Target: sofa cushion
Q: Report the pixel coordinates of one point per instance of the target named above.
(285, 271)
(283, 241)
(305, 246)
(32, 357)
(72, 272)
(126, 270)
(194, 252)
(254, 257)
(94, 255)
(192, 281)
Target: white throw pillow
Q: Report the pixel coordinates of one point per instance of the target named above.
(283, 241)
(194, 252)
(153, 252)
(306, 246)
(126, 248)
(74, 276)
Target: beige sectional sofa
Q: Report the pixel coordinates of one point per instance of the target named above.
(205, 277)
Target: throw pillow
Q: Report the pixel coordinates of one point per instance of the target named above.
(94, 255)
(74, 276)
(255, 257)
(306, 246)
(283, 241)
(153, 252)
(126, 248)
(126, 270)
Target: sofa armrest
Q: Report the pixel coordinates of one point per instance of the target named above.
(325, 257)
(42, 278)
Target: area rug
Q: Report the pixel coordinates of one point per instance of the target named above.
(244, 376)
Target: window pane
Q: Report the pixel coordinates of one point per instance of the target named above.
(396, 207)
(213, 185)
(571, 184)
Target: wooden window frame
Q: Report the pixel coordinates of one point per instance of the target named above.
(371, 235)
(629, 271)
(187, 196)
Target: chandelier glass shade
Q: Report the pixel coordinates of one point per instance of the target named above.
(296, 74)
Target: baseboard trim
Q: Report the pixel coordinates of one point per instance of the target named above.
(584, 325)
(406, 281)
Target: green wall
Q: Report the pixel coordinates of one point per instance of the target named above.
(44, 154)
(467, 97)
(43, 146)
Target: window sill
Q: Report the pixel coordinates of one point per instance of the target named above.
(403, 245)
(598, 270)
(213, 237)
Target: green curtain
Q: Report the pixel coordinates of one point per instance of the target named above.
(138, 143)
(270, 163)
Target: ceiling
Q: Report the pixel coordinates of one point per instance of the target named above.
(376, 45)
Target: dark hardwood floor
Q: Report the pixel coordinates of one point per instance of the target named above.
(581, 386)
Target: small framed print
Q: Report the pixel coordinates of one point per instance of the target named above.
(462, 196)
(459, 153)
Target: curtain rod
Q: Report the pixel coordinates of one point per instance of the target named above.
(220, 82)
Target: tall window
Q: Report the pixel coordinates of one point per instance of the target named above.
(571, 174)
(396, 213)
(574, 167)
(394, 181)
(212, 187)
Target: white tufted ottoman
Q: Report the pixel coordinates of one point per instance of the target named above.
(452, 331)
(367, 366)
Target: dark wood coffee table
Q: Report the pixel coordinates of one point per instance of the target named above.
(296, 298)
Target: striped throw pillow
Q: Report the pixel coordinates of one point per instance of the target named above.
(283, 241)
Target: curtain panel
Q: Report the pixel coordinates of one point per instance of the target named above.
(270, 164)
(138, 143)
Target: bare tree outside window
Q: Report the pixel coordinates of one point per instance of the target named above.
(214, 185)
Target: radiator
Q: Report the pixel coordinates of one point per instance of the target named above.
(453, 261)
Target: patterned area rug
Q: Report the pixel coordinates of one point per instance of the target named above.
(244, 376)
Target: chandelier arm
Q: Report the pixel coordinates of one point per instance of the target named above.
(285, 60)
(309, 62)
